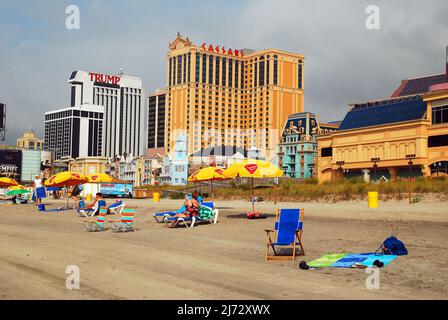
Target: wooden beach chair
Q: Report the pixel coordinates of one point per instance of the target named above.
(287, 231)
(98, 225)
(126, 222)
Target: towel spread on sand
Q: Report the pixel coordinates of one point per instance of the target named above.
(346, 260)
(350, 260)
(326, 260)
(385, 258)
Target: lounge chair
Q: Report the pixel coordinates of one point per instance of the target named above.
(287, 233)
(84, 212)
(207, 213)
(117, 207)
(98, 225)
(161, 216)
(126, 222)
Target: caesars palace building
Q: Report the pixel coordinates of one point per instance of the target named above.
(221, 96)
(105, 118)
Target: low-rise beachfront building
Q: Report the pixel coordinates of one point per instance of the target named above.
(29, 140)
(174, 170)
(297, 150)
(87, 165)
(382, 137)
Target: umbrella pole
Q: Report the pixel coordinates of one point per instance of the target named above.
(275, 193)
(211, 186)
(66, 194)
(253, 200)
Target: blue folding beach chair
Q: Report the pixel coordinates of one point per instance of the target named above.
(287, 231)
(162, 216)
(84, 212)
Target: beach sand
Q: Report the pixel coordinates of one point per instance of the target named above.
(222, 261)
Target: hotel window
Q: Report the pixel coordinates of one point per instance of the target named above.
(174, 71)
(300, 83)
(440, 114)
(179, 69)
(210, 70)
(204, 68)
(189, 67)
(224, 68)
(198, 59)
(261, 79)
(230, 72)
(236, 74)
(185, 69)
(275, 69)
(217, 71)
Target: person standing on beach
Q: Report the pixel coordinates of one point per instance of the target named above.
(39, 189)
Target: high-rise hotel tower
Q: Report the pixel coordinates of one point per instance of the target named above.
(221, 96)
(107, 117)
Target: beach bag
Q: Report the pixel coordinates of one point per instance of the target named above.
(392, 245)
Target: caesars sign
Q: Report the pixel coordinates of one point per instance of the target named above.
(104, 79)
(10, 163)
(222, 50)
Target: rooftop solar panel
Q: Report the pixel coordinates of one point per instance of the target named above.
(421, 85)
(384, 112)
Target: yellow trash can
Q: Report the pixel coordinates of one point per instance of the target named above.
(373, 199)
(156, 197)
(89, 197)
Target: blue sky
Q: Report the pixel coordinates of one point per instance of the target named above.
(345, 62)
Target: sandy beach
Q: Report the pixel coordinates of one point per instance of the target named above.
(222, 261)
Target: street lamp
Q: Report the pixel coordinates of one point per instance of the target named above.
(375, 165)
(410, 157)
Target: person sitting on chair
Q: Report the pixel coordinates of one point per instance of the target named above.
(94, 206)
(191, 209)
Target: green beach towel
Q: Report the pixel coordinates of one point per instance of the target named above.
(205, 213)
(326, 260)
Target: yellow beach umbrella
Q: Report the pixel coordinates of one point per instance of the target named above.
(251, 168)
(99, 178)
(18, 187)
(65, 179)
(7, 182)
(207, 174)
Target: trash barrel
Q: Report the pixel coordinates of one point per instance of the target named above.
(88, 197)
(373, 199)
(156, 197)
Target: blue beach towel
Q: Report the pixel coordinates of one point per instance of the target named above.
(386, 259)
(351, 259)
